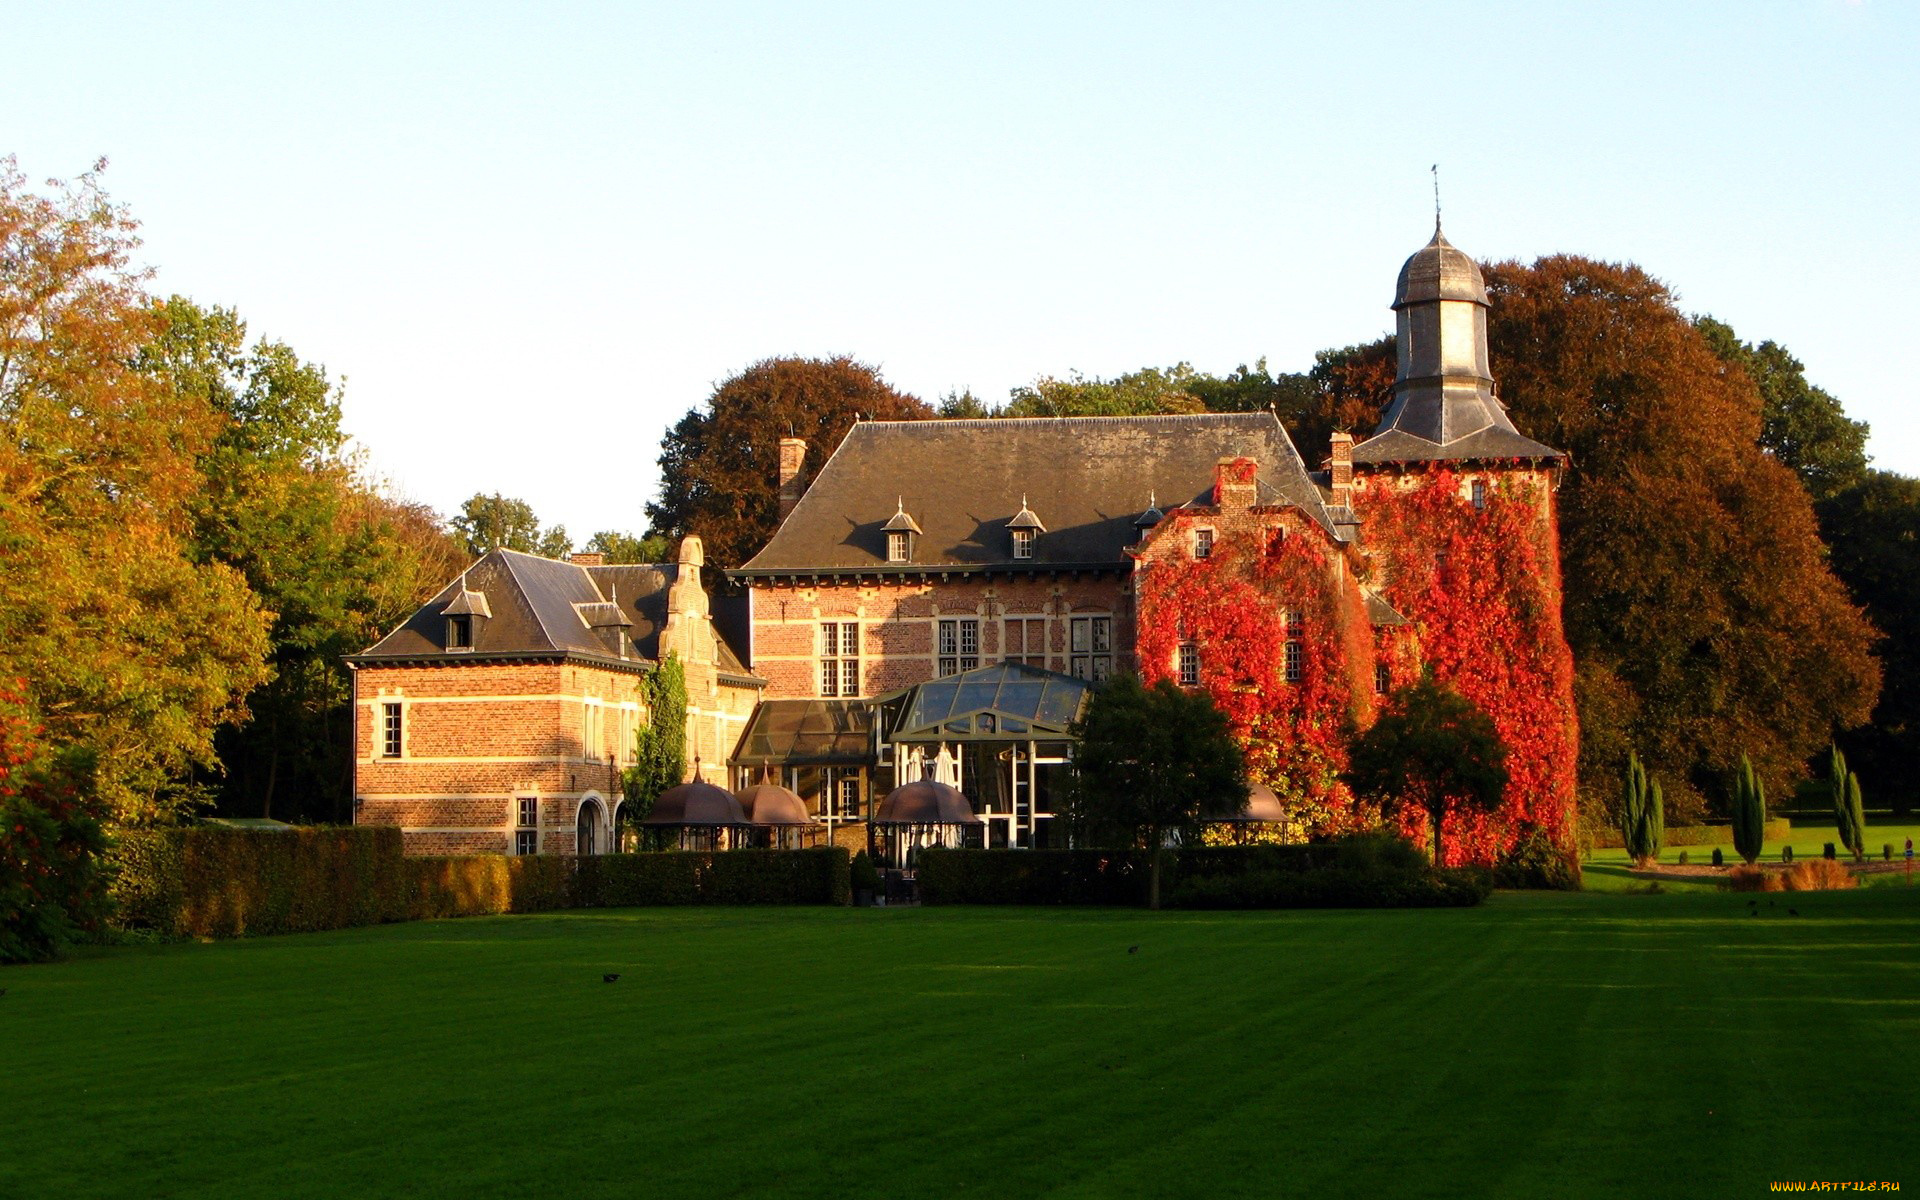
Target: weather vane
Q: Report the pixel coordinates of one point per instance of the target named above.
(1436, 196)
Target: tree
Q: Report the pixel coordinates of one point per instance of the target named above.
(719, 464)
(660, 745)
(1432, 749)
(1801, 425)
(619, 547)
(1873, 533)
(51, 885)
(1642, 814)
(135, 648)
(1848, 811)
(1699, 604)
(499, 522)
(1153, 763)
(1749, 811)
(1148, 391)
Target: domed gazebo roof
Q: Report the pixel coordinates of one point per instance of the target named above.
(1439, 271)
(925, 802)
(771, 804)
(1262, 805)
(696, 803)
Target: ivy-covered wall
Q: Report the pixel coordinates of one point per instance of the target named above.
(1480, 586)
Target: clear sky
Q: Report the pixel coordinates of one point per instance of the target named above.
(532, 236)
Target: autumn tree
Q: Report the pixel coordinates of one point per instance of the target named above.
(1699, 604)
(1149, 391)
(496, 522)
(133, 649)
(719, 463)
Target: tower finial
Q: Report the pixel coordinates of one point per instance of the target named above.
(1436, 196)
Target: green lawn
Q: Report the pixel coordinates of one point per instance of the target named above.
(1609, 870)
(1543, 1045)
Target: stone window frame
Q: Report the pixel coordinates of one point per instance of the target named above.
(393, 728)
(526, 833)
(1186, 663)
(1203, 542)
(1030, 652)
(952, 638)
(839, 668)
(1090, 646)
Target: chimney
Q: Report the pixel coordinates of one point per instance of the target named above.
(793, 455)
(581, 558)
(1340, 470)
(1233, 485)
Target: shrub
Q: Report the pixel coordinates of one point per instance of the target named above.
(777, 877)
(1776, 829)
(1818, 875)
(51, 886)
(214, 882)
(1752, 879)
(638, 880)
(1101, 877)
(866, 878)
(1642, 813)
(1535, 862)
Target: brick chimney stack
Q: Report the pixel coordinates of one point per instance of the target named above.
(582, 558)
(793, 455)
(1340, 470)
(1233, 483)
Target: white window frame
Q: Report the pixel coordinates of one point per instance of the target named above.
(1293, 654)
(593, 730)
(1186, 663)
(897, 546)
(958, 644)
(393, 729)
(1477, 495)
(526, 833)
(1090, 646)
(1023, 543)
(1203, 542)
(840, 658)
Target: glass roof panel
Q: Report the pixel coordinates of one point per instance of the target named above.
(1021, 698)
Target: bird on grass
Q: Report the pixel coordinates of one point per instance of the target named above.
(1133, 949)
(609, 977)
(1793, 912)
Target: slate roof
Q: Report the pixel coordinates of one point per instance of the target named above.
(543, 606)
(1085, 478)
(1489, 443)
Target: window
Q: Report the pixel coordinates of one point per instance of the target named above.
(526, 833)
(1382, 679)
(629, 726)
(1479, 495)
(1187, 662)
(1023, 543)
(850, 797)
(592, 732)
(1276, 542)
(959, 645)
(460, 632)
(1292, 654)
(1026, 640)
(1090, 648)
(840, 658)
(391, 730)
(897, 546)
(1203, 543)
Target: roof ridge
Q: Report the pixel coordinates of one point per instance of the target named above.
(1008, 422)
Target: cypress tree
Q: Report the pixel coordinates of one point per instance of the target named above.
(1749, 812)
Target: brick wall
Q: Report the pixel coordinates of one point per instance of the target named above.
(899, 624)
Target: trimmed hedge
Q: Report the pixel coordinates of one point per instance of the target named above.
(1358, 872)
(213, 882)
(1779, 829)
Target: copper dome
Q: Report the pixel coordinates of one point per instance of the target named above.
(1439, 271)
(771, 804)
(925, 802)
(696, 803)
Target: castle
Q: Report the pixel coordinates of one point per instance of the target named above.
(939, 599)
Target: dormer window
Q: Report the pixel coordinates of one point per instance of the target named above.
(1026, 529)
(460, 632)
(900, 531)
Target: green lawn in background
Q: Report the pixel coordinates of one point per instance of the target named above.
(1542, 1045)
(1609, 870)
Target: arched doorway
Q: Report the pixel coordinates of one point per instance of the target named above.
(589, 828)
